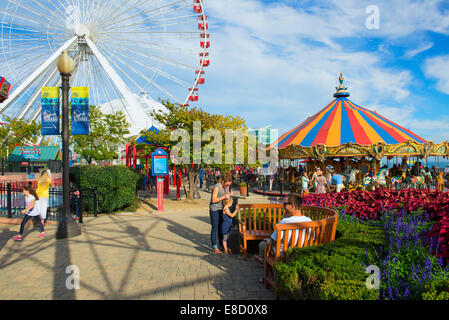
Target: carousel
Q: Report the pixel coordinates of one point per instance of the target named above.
(353, 140)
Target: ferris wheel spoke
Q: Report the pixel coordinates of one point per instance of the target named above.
(127, 65)
(24, 85)
(146, 12)
(120, 84)
(133, 26)
(110, 12)
(58, 8)
(154, 45)
(36, 12)
(147, 54)
(166, 75)
(52, 12)
(25, 53)
(33, 98)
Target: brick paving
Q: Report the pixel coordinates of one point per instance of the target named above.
(164, 256)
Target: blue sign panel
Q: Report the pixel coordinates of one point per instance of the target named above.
(31, 156)
(50, 111)
(80, 110)
(80, 117)
(159, 163)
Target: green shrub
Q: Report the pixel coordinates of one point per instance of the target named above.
(436, 290)
(331, 271)
(116, 183)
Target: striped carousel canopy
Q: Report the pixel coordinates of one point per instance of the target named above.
(342, 121)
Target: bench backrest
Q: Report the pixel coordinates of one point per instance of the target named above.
(261, 217)
(318, 231)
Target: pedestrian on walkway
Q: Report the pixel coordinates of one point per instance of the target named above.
(31, 212)
(220, 192)
(43, 191)
(305, 183)
(201, 177)
(226, 226)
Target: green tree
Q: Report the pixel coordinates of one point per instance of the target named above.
(106, 132)
(175, 117)
(17, 132)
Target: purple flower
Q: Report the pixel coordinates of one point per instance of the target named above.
(406, 293)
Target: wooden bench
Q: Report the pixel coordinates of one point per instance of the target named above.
(256, 222)
(320, 230)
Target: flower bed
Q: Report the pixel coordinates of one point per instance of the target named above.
(366, 205)
(394, 244)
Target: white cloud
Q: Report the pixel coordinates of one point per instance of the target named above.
(438, 68)
(413, 52)
(277, 64)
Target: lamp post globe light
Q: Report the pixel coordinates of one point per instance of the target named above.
(67, 227)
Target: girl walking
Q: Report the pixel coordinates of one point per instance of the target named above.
(42, 191)
(31, 212)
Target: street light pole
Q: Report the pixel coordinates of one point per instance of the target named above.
(67, 227)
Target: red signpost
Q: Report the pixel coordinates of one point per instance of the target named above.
(159, 168)
(160, 195)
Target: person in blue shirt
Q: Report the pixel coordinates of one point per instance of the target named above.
(337, 180)
(201, 176)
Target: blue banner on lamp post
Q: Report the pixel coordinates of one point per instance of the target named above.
(80, 110)
(50, 111)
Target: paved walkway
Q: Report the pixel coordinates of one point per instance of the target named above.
(150, 256)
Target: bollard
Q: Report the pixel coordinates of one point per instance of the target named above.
(8, 200)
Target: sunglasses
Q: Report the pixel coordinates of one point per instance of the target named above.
(285, 203)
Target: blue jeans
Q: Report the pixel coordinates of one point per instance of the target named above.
(76, 205)
(215, 221)
(201, 183)
(36, 219)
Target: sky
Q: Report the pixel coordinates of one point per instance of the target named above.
(278, 62)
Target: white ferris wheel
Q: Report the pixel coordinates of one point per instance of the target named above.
(122, 49)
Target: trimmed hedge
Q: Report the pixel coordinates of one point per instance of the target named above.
(335, 271)
(117, 183)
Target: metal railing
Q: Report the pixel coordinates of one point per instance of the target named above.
(12, 201)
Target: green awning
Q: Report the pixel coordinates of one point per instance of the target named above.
(47, 153)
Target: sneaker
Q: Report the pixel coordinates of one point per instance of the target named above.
(259, 260)
(42, 235)
(17, 238)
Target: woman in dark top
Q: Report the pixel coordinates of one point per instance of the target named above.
(220, 192)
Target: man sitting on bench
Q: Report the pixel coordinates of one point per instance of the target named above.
(292, 206)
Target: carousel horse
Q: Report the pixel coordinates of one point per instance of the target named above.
(418, 182)
(381, 177)
(440, 182)
(367, 182)
(353, 175)
(396, 182)
(353, 184)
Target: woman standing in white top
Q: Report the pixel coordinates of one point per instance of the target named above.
(31, 212)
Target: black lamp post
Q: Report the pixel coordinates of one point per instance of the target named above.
(67, 227)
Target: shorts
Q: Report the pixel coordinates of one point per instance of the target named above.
(226, 226)
(42, 206)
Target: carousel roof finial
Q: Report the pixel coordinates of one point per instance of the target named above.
(341, 90)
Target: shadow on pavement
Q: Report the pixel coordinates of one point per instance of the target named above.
(5, 236)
